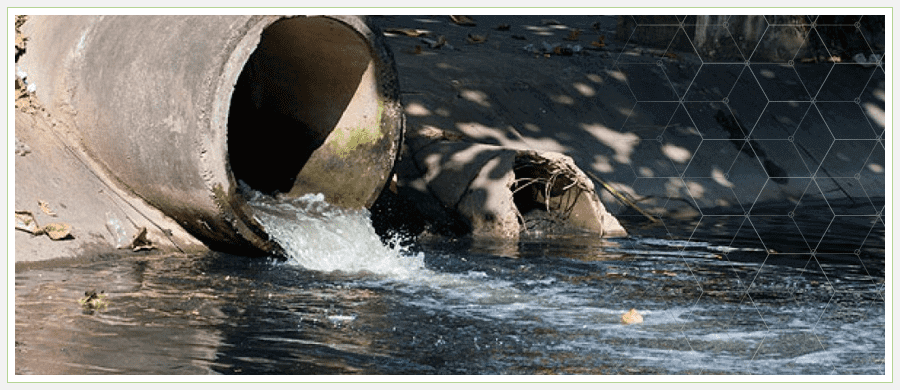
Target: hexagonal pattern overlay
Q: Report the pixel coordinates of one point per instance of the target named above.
(782, 135)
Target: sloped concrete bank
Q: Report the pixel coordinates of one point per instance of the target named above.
(681, 132)
(144, 131)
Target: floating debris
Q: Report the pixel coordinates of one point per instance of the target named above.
(573, 35)
(502, 27)
(550, 22)
(600, 42)
(632, 317)
(93, 300)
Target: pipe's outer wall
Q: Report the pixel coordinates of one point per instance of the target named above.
(149, 99)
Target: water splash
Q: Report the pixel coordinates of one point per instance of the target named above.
(318, 236)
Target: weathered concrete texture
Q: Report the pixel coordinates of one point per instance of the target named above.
(681, 136)
(103, 219)
(166, 106)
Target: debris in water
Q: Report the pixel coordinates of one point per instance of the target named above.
(502, 27)
(632, 317)
(93, 300)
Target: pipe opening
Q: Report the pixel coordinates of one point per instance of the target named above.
(550, 196)
(300, 83)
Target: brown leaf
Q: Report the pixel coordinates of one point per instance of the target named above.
(46, 208)
(573, 34)
(462, 20)
(58, 231)
(140, 241)
(472, 38)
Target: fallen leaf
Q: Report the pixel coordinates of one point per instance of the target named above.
(472, 38)
(573, 34)
(58, 231)
(140, 242)
(462, 20)
(835, 59)
(670, 54)
(435, 44)
(632, 317)
(410, 32)
(46, 208)
(502, 27)
(25, 222)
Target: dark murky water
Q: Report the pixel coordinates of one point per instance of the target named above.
(714, 301)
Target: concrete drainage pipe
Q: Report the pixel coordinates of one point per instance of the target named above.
(180, 109)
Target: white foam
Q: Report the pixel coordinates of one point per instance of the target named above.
(318, 236)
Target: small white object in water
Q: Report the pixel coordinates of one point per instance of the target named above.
(31, 87)
(632, 317)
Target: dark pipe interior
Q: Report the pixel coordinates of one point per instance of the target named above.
(289, 97)
(267, 148)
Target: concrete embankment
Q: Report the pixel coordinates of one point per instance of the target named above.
(682, 132)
